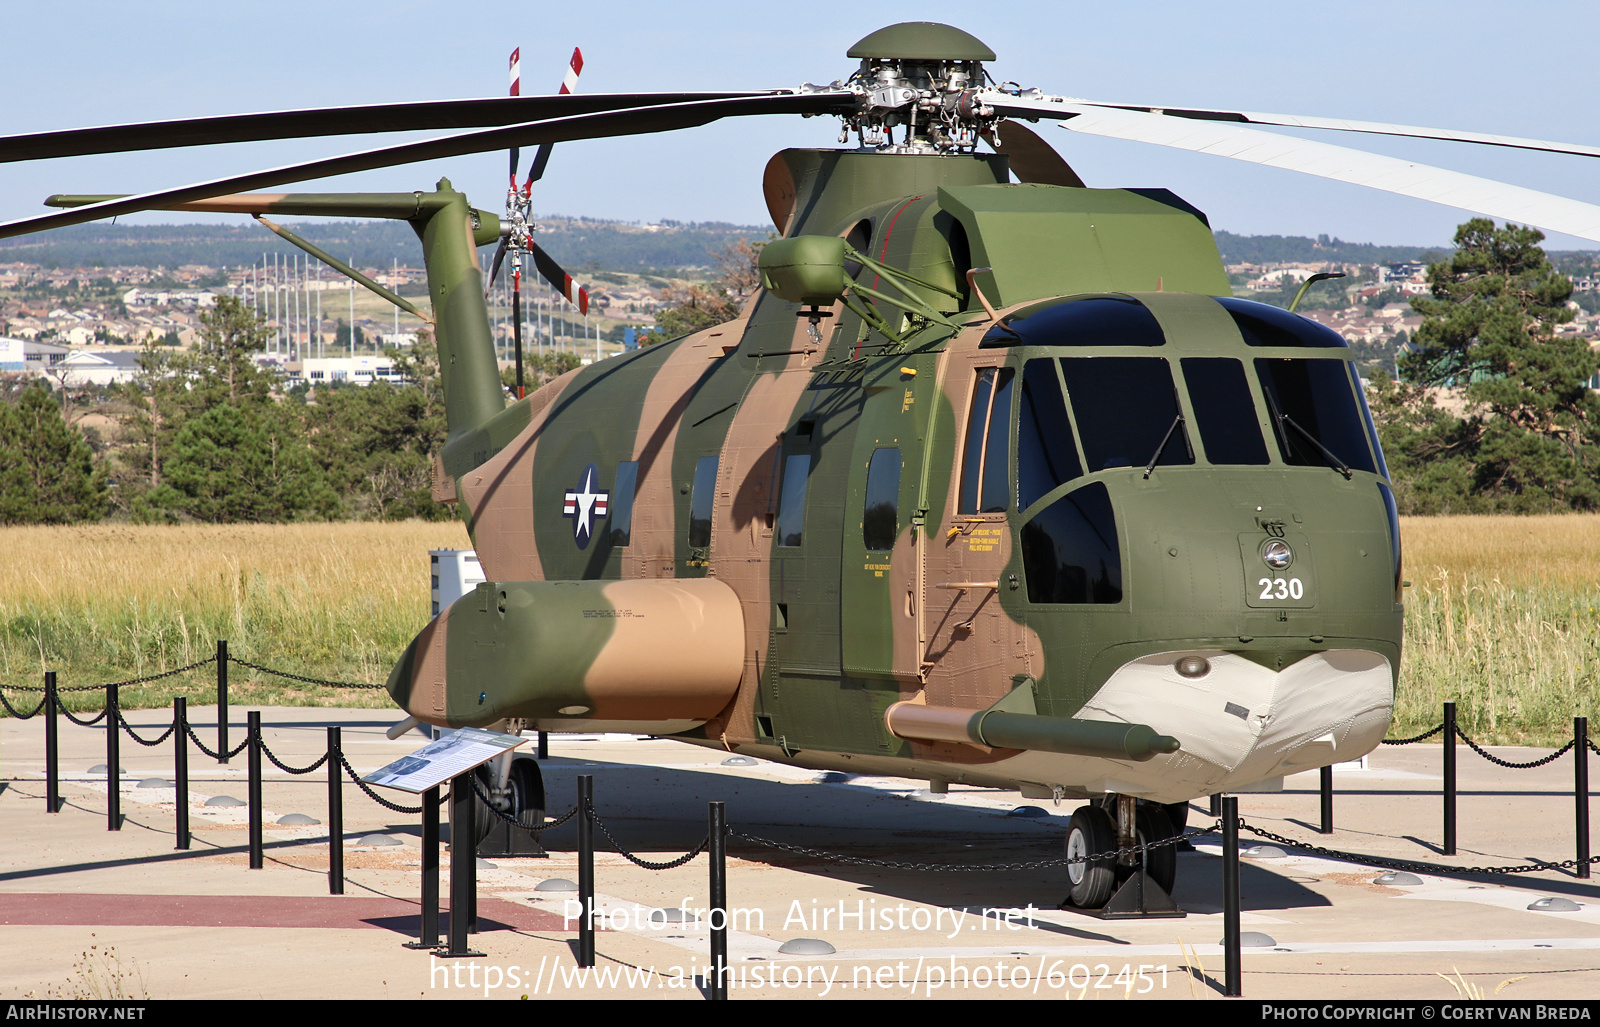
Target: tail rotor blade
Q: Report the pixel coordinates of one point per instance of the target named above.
(516, 326)
(499, 258)
(569, 85)
(558, 278)
(516, 90)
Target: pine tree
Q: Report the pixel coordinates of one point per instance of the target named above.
(1530, 426)
(47, 472)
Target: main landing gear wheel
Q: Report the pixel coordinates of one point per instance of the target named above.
(1090, 831)
(1161, 864)
(526, 796)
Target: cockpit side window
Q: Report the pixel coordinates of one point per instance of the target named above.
(984, 474)
(1070, 552)
(1047, 456)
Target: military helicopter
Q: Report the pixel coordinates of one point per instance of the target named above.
(991, 483)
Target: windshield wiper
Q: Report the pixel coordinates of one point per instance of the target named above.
(1163, 447)
(1338, 464)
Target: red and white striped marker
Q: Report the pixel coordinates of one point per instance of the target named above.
(516, 72)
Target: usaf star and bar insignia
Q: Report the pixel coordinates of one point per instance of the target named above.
(584, 505)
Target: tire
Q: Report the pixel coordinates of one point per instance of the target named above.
(483, 817)
(527, 790)
(1161, 864)
(1090, 831)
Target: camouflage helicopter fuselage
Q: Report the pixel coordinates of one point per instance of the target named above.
(976, 553)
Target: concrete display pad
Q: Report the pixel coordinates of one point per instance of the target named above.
(199, 924)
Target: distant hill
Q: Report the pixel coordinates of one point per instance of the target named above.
(579, 244)
(1267, 249)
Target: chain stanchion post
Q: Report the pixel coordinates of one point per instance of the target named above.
(1232, 983)
(222, 700)
(463, 863)
(1327, 801)
(718, 830)
(1449, 779)
(1580, 782)
(1216, 804)
(113, 761)
(544, 745)
(180, 766)
(586, 870)
(428, 936)
(336, 814)
(52, 751)
(257, 861)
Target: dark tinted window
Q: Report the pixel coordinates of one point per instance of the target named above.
(972, 451)
(1366, 420)
(1125, 407)
(1046, 453)
(792, 501)
(1070, 552)
(1262, 324)
(1394, 533)
(1314, 413)
(1220, 396)
(622, 502)
(701, 500)
(1098, 321)
(983, 470)
(880, 521)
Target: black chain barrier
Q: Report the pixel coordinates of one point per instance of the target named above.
(140, 681)
(91, 722)
(291, 770)
(297, 677)
(127, 729)
(1417, 738)
(672, 864)
(1413, 865)
(488, 804)
(1515, 766)
(18, 713)
(236, 750)
(1037, 864)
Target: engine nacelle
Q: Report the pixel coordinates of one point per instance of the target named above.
(631, 651)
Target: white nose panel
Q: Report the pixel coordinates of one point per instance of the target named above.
(1242, 715)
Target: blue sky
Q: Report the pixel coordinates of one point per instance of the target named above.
(1522, 69)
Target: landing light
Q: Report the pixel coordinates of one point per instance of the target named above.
(1277, 554)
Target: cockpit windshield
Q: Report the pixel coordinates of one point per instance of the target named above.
(1312, 404)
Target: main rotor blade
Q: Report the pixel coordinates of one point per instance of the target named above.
(332, 121)
(1031, 158)
(636, 121)
(1408, 178)
(1344, 125)
(558, 278)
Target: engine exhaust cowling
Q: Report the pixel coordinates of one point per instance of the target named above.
(643, 650)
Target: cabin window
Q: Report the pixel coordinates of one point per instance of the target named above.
(621, 516)
(1224, 410)
(1070, 552)
(1262, 324)
(1314, 414)
(984, 471)
(1127, 412)
(1047, 456)
(1096, 321)
(701, 501)
(792, 500)
(880, 521)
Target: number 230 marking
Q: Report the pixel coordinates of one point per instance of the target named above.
(1281, 588)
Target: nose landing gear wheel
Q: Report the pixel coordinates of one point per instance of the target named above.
(1161, 864)
(1090, 831)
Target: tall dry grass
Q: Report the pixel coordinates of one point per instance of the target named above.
(109, 602)
(1503, 618)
